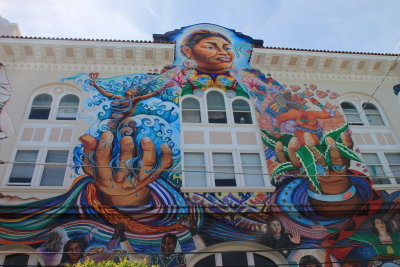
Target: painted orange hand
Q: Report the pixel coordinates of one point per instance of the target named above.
(116, 188)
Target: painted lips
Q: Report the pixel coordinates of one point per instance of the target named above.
(224, 59)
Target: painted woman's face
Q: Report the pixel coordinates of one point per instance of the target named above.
(380, 225)
(212, 55)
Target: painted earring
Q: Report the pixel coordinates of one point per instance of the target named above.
(189, 63)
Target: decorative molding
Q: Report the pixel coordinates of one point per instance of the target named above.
(279, 75)
(57, 67)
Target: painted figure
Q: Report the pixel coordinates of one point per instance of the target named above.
(73, 252)
(276, 237)
(171, 254)
(123, 106)
(309, 261)
(209, 62)
(306, 120)
(382, 239)
(6, 127)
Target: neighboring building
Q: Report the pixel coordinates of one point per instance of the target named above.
(228, 112)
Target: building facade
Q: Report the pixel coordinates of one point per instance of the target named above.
(199, 148)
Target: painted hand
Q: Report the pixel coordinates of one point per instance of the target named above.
(295, 236)
(334, 181)
(116, 188)
(338, 197)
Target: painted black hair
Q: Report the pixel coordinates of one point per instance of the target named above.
(195, 37)
(81, 244)
(170, 235)
(309, 259)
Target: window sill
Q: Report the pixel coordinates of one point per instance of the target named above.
(6, 189)
(227, 189)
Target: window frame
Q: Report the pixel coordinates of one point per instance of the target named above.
(385, 166)
(237, 165)
(66, 107)
(57, 93)
(199, 110)
(250, 111)
(38, 171)
(362, 114)
(228, 109)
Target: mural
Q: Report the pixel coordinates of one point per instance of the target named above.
(6, 127)
(126, 198)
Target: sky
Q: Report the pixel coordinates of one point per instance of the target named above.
(338, 25)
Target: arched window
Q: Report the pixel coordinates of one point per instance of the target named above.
(68, 107)
(351, 113)
(191, 110)
(216, 107)
(372, 114)
(41, 106)
(241, 112)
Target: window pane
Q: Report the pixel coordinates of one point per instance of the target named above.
(195, 175)
(375, 168)
(206, 262)
(372, 114)
(375, 119)
(394, 164)
(234, 259)
(351, 113)
(371, 158)
(242, 117)
(42, 100)
(68, 108)
(14, 260)
(250, 159)
(65, 113)
(41, 106)
(261, 261)
(22, 173)
(251, 165)
(215, 101)
(393, 158)
(69, 101)
(191, 116)
(190, 103)
(54, 175)
(240, 105)
(217, 117)
(223, 158)
(223, 169)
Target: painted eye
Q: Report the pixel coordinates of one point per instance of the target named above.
(227, 48)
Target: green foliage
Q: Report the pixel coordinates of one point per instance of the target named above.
(283, 167)
(308, 161)
(306, 156)
(124, 263)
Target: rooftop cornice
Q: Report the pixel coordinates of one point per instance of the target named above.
(85, 39)
(327, 51)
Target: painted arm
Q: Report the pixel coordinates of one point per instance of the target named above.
(143, 97)
(318, 114)
(290, 115)
(103, 92)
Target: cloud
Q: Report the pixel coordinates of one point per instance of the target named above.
(348, 25)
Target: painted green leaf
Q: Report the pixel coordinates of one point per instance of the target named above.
(268, 142)
(307, 159)
(347, 152)
(335, 134)
(283, 167)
